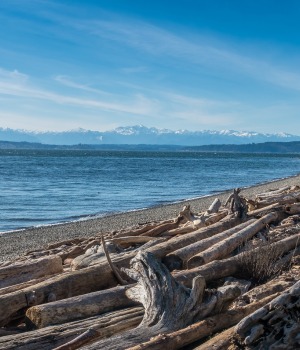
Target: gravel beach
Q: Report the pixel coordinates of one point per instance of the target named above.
(14, 244)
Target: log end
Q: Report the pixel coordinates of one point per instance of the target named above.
(195, 261)
(173, 262)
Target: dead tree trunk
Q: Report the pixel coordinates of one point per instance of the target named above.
(168, 305)
(275, 325)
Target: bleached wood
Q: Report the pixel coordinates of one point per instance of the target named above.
(178, 259)
(27, 270)
(223, 248)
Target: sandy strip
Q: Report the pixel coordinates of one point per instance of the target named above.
(17, 243)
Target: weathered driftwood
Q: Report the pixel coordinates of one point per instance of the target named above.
(62, 286)
(230, 266)
(237, 204)
(264, 210)
(292, 209)
(83, 306)
(214, 207)
(178, 339)
(281, 199)
(168, 305)
(50, 337)
(178, 259)
(24, 271)
(202, 221)
(227, 245)
(138, 231)
(275, 325)
(174, 243)
(94, 256)
(277, 191)
(221, 341)
(163, 227)
(128, 241)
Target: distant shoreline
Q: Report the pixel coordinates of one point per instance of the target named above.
(16, 243)
(289, 147)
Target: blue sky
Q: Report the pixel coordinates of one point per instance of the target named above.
(181, 64)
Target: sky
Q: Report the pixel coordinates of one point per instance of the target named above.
(180, 64)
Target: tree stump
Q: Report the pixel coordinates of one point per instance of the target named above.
(168, 305)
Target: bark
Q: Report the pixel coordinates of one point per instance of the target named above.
(168, 305)
(25, 271)
(75, 308)
(178, 259)
(53, 336)
(225, 247)
(273, 326)
(200, 330)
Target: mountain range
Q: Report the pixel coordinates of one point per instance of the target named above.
(132, 135)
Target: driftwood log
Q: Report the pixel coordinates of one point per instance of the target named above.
(50, 337)
(27, 270)
(223, 248)
(275, 325)
(78, 307)
(178, 259)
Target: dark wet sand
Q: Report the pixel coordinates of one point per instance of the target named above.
(16, 243)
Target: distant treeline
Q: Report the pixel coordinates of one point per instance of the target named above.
(266, 147)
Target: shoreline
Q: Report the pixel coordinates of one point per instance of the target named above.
(15, 243)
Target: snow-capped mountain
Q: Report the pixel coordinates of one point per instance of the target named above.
(139, 134)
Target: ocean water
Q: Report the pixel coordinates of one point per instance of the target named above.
(45, 187)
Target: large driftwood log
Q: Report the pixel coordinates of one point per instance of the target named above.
(226, 246)
(168, 305)
(231, 266)
(275, 325)
(178, 339)
(27, 270)
(174, 243)
(50, 337)
(62, 286)
(178, 259)
(75, 308)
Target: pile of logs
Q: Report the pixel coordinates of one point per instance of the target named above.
(224, 278)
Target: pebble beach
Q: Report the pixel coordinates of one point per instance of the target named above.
(16, 243)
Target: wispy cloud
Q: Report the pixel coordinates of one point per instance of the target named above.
(66, 81)
(214, 53)
(17, 84)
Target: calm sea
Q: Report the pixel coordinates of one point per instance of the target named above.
(44, 187)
